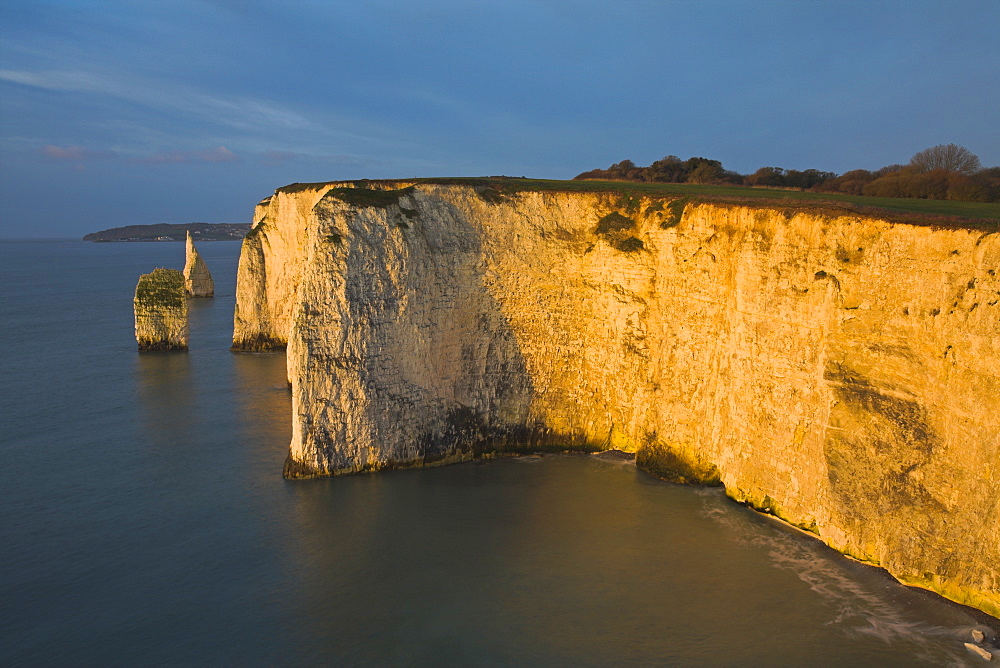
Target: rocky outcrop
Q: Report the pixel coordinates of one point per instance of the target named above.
(197, 278)
(161, 311)
(266, 289)
(837, 371)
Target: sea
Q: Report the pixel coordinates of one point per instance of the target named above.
(145, 521)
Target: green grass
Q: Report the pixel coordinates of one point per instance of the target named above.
(614, 222)
(942, 213)
(615, 227)
(491, 195)
(675, 210)
(366, 197)
(160, 288)
(930, 212)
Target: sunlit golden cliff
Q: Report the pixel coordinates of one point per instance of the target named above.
(839, 372)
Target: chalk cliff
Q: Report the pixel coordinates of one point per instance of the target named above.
(837, 371)
(161, 311)
(267, 287)
(197, 278)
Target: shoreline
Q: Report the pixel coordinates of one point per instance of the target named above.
(982, 618)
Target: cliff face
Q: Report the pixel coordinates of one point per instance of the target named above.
(267, 287)
(842, 373)
(197, 278)
(161, 311)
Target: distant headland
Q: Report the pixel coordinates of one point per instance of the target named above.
(172, 232)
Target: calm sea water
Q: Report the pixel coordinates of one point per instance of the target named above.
(145, 521)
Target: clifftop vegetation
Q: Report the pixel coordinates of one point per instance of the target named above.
(944, 172)
(161, 288)
(496, 189)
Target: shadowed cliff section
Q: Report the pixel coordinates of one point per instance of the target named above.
(835, 370)
(399, 323)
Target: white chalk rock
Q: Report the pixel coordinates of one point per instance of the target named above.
(976, 649)
(161, 312)
(197, 278)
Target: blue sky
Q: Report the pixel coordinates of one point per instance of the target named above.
(131, 112)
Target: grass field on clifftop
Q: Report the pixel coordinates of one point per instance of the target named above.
(929, 212)
(930, 206)
(944, 213)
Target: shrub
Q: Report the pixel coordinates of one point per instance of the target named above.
(614, 227)
(367, 197)
(674, 212)
(490, 195)
(614, 222)
(628, 245)
(161, 288)
(851, 183)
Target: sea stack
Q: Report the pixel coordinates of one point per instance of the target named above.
(161, 311)
(197, 278)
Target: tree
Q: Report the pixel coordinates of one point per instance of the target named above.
(669, 170)
(888, 169)
(807, 179)
(948, 157)
(767, 176)
(989, 180)
(705, 171)
(851, 182)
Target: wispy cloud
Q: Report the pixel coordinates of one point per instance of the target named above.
(276, 157)
(236, 111)
(76, 153)
(217, 154)
(252, 115)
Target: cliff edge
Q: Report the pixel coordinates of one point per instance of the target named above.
(841, 372)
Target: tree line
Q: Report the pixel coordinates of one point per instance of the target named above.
(945, 171)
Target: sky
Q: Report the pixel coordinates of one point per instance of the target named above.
(124, 112)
